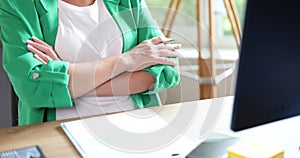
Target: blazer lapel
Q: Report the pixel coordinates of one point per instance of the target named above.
(48, 16)
(121, 11)
(117, 5)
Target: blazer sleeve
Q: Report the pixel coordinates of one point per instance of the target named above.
(165, 76)
(37, 85)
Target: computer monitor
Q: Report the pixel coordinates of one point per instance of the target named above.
(268, 80)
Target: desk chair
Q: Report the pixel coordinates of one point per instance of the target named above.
(8, 99)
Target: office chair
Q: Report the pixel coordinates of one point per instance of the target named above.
(8, 98)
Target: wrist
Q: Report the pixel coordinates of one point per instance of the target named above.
(122, 63)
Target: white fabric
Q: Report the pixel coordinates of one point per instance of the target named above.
(86, 34)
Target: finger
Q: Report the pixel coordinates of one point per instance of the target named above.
(37, 40)
(161, 46)
(168, 46)
(166, 53)
(39, 59)
(166, 61)
(157, 40)
(174, 46)
(39, 53)
(45, 49)
(161, 39)
(38, 46)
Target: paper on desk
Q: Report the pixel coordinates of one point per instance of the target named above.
(140, 133)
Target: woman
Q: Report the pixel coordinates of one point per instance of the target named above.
(127, 70)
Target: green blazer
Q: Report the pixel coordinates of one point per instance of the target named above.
(42, 88)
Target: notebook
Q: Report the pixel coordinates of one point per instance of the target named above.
(139, 133)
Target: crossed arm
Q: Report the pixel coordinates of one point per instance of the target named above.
(124, 84)
(115, 75)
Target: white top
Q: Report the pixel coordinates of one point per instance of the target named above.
(85, 34)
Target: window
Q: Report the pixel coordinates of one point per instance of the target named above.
(185, 24)
(224, 36)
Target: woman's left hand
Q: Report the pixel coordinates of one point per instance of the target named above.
(41, 50)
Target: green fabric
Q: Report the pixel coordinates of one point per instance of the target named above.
(19, 21)
(137, 24)
(38, 97)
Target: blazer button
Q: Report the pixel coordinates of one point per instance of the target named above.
(35, 75)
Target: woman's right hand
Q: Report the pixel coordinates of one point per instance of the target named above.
(148, 53)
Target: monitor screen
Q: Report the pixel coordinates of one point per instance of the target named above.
(268, 80)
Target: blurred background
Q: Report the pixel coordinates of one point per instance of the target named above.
(184, 31)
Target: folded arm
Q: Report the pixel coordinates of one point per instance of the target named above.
(125, 84)
(113, 75)
(52, 83)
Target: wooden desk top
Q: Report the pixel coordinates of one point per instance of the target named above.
(54, 143)
(49, 136)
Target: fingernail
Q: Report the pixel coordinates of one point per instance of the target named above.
(29, 46)
(33, 37)
(177, 46)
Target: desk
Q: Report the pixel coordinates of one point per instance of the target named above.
(54, 143)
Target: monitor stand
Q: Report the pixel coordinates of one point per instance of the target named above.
(214, 146)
